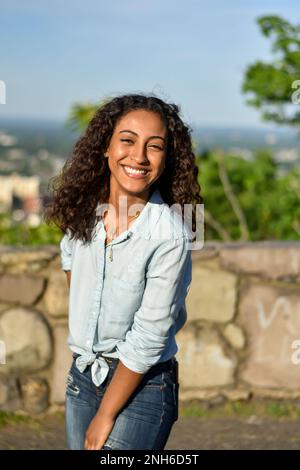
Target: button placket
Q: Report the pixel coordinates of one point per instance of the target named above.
(95, 309)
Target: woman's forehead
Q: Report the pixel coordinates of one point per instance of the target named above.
(142, 122)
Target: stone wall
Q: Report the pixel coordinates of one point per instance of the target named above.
(33, 327)
(243, 317)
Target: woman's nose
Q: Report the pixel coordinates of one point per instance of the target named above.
(139, 156)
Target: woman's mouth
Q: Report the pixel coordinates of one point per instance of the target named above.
(134, 172)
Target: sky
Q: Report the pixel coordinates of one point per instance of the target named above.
(193, 53)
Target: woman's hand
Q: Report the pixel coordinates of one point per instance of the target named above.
(98, 431)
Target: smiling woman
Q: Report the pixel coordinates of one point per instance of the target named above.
(125, 309)
(137, 162)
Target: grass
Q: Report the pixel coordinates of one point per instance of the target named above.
(276, 409)
(11, 418)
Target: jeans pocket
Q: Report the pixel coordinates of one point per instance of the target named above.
(152, 380)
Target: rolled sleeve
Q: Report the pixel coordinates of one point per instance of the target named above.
(66, 245)
(146, 340)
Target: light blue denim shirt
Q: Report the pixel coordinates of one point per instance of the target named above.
(131, 306)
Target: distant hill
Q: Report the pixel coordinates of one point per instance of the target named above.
(54, 136)
(32, 135)
(248, 138)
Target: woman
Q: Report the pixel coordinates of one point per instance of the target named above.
(128, 262)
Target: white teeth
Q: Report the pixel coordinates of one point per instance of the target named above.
(135, 171)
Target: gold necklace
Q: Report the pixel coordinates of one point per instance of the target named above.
(109, 239)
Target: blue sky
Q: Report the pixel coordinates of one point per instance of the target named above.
(193, 53)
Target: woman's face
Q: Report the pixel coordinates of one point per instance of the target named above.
(137, 151)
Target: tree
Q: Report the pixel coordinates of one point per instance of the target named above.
(247, 200)
(271, 84)
(81, 114)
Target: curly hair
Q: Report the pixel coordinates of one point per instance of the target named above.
(85, 177)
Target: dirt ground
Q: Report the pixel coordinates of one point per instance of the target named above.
(188, 433)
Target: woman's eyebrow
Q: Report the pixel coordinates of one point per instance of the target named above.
(152, 137)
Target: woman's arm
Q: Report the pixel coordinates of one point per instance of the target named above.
(66, 248)
(121, 387)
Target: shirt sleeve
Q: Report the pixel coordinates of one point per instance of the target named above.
(66, 245)
(163, 297)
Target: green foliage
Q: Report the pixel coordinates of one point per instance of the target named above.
(270, 84)
(270, 204)
(20, 233)
(81, 114)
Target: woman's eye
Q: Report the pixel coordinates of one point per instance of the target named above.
(156, 147)
(129, 140)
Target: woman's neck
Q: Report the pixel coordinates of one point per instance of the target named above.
(122, 202)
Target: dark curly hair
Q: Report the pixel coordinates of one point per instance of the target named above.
(84, 179)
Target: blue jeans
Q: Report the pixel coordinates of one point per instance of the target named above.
(146, 420)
